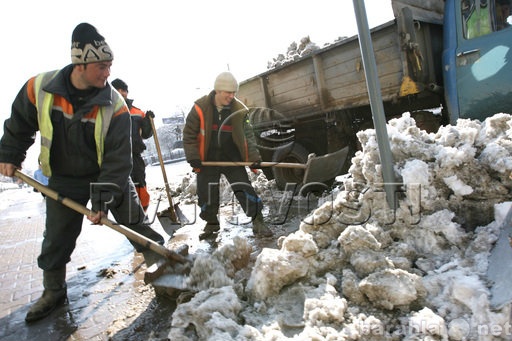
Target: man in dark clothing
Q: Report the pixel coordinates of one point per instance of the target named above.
(141, 130)
(85, 151)
(217, 129)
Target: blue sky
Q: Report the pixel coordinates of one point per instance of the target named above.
(169, 52)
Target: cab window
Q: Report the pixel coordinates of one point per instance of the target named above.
(481, 17)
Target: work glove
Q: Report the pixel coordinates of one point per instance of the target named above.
(150, 113)
(255, 165)
(196, 164)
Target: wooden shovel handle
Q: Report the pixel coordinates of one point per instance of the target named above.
(262, 164)
(162, 166)
(129, 233)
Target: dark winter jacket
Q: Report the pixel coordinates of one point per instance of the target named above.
(73, 150)
(198, 131)
(141, 128)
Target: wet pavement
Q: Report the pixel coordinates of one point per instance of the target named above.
(108, 299)
(107, 296)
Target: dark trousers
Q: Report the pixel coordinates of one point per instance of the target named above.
(208, 191)
(63, 224)
(138, 170)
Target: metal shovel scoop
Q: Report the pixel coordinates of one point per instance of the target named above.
(171, 218)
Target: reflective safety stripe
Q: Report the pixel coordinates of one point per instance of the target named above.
(223, 127)
(44, 105)
(201, 138)
(101, 126)
(202, 132)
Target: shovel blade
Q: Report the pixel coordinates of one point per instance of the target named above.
(169, 221)
(179, 214)
(325, 167)
(171, 286)
(169, 278)
(171, 281)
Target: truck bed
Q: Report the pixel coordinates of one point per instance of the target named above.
(332, 78)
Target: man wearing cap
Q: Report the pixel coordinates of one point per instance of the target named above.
(85, 151)
(141, 130)
(217, 129)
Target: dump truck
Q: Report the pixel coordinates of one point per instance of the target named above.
(438, 60)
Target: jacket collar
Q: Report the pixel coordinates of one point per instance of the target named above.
(61, 85)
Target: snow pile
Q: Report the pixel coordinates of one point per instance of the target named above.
(294, 52)
(356, 270)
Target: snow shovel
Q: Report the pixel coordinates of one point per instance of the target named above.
(499, 270)
(169, 255)
(171, 218)
(316, 169)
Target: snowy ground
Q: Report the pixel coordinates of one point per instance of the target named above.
(350, 268)
(355, 270)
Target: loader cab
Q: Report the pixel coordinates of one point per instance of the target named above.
(477, 59)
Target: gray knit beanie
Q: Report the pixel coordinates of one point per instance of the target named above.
(226, 82)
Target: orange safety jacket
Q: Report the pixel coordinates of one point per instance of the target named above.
(197, 131)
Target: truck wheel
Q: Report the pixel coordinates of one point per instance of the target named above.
(293, 154)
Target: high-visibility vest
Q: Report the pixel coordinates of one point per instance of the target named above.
(201, 137)
(44, 105)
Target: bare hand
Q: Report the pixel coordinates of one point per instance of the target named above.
(7, 169)
(96, 218)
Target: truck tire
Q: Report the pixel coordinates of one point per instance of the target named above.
(296, 153)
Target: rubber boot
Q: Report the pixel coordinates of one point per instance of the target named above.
(54, 295)
(259, 228)
(210, 230)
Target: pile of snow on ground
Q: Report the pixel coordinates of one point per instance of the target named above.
(355, 270)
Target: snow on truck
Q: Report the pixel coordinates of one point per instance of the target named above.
(439, 60)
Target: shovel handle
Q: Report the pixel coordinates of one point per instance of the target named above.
(162, 166)
(262, 164)
(130, 234)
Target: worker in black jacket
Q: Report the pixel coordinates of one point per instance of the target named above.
(85, 152)
(141, 130)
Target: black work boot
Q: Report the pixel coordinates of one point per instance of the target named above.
(54, 295)
(210, 230)
(259, 228)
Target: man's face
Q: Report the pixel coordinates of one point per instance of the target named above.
(224, 98)
(96, 74)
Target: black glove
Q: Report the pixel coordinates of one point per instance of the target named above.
(255, 165)
(196, 163)
(150, 113)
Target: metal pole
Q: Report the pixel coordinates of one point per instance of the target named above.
(374, 92)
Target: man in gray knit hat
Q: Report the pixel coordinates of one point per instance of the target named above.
(85, 152)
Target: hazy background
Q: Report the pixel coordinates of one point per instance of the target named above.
(169, 52)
